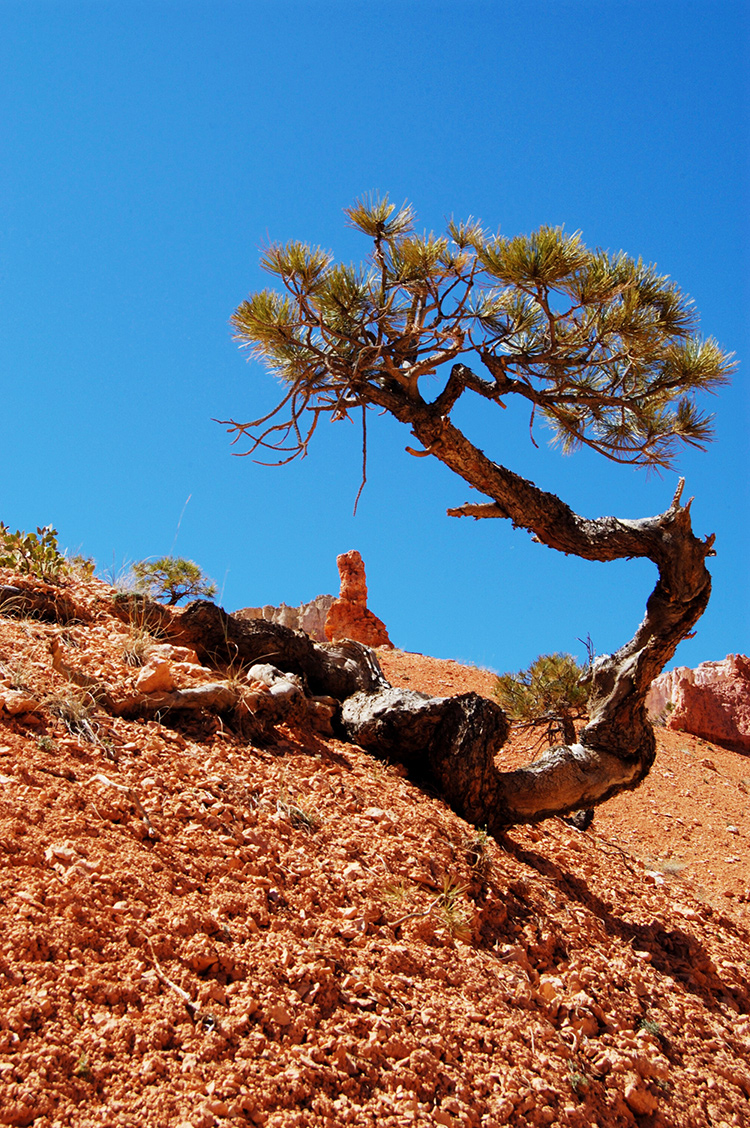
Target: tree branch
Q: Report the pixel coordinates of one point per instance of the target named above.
(477, 510)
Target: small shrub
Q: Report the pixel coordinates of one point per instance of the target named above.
(170, 579)
(299, 817)
(670, 866)
(660, 720)
(235, 674)
(378, 769)
(475, 848)
(398, 891)
(74, 708)
(551, 691)
(136, 650)
(118, 576)
(579, 1082)
(452, 911)
(83, 1068)
(85, 566)
(35, 554)
(19, 675)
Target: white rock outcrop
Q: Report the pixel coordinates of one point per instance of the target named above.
(308, 617)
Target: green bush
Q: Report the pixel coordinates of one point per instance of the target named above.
(170, 579)
(36, 554)
(552, 690)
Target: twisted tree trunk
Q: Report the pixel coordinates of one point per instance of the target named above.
(617, 748)
(455, 741)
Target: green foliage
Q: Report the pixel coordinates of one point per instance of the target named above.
(476, 852)
(82, 1068)
(170, 579)
(579, 1082)
(300, 817)
(35, 554)
(452, 910)
(603, 347)
(551, 688)
(84, 565)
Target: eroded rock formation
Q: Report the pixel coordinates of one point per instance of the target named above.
(349, 616)
(308, 617)
(712, 701)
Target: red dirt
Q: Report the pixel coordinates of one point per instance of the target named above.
(350, 950)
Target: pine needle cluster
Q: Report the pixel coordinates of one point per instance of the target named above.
(602, 347)
(553, 689)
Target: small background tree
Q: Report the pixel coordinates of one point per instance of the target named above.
(551, 692)
(170, 579)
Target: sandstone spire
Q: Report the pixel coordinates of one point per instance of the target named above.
(349, 616)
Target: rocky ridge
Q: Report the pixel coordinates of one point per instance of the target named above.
(200, 927)
(327, 617)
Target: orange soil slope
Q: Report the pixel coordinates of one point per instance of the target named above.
(195, 931)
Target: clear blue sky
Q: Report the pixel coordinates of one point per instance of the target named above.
(148, 150)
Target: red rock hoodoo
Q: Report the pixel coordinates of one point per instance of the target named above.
(712, 701)
(349, 616)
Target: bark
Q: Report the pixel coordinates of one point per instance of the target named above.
(453, 743)
(329, 669)
(568, 729)
(450, 741)
(213, 697)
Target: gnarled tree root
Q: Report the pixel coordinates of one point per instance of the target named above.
(455, 740)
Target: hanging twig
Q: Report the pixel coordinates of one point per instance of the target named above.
(364, 460)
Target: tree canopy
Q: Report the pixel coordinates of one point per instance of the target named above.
(601, 346)
(170, 579)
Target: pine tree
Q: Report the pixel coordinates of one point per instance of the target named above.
(172, 578)
(552, 691)
(604, 349)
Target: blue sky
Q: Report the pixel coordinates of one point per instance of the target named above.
(149, 150)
